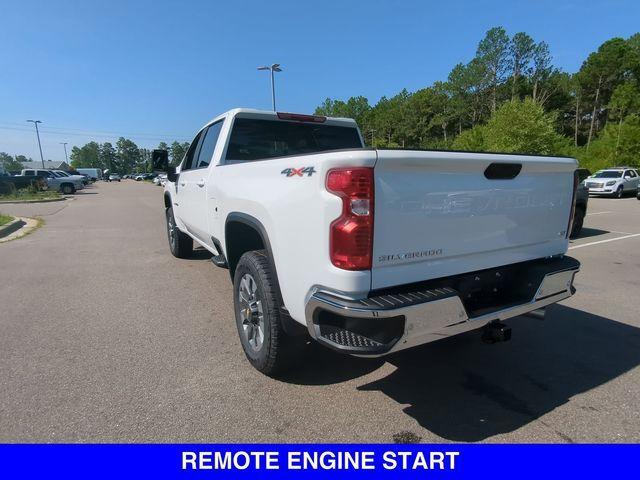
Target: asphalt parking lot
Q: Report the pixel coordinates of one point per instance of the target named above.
(105, 337)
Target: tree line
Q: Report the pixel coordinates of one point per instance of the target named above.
(511, 98)
(124, 157)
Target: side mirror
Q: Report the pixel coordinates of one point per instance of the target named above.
(159, 161)
(172, 176)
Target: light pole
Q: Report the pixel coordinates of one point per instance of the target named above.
(36, 122)
(273, 68)
(66, 159)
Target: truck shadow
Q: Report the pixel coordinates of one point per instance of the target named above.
(463, 390)
(591, 232)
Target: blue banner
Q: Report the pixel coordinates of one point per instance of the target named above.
(115, 461)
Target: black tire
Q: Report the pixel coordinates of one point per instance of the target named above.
(619, 192)
(180, 244)
(277, 349)
(67, 189)
(578, 221)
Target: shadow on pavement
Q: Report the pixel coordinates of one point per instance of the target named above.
(464, 390)
(200, 254)
(590, 232)
(322, 366)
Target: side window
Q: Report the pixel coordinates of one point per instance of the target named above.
(192, 153)
(632, 173)
(28, 173)
(208, 145)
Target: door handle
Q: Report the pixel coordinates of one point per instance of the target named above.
(200, 182)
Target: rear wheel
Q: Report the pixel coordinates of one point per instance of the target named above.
(180, 244)
(67, 189)
(257, 309)
(578, 221)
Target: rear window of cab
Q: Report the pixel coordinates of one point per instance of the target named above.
(259, 139)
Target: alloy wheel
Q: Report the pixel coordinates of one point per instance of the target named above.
(251, 312)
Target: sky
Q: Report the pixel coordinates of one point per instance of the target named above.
(158, 70)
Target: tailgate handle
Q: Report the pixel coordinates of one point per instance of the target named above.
(502, 171)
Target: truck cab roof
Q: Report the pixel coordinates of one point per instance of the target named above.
(285, 116)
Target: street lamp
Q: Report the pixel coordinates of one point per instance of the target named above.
(66, 159)
(36, 122)
(273, 68)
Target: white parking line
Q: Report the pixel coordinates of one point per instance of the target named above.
(597, 213)
(604, 241)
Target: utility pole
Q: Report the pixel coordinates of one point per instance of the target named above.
(273, 68)
(373, 139)
(36, 122)
(66, 159)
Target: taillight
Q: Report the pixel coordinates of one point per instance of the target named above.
(351, 234)
(299, 117)
(573, 202)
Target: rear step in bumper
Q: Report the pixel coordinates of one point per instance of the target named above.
(390, 322)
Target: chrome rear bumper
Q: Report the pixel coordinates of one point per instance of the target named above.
(382, 324)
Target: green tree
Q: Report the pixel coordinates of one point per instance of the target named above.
(177, 151)
(541, 69)
(599, 75)
(493, 54)
(517, 127)
(624, 100)
(521, 50)
(9, 163)
(128, 155)
(87, 156)
(523, 127)
(109, 158)
(471, 140)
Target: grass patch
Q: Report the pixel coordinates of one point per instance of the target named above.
(25, 194)
(4, 219)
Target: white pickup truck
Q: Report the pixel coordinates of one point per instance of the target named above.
(367, 251)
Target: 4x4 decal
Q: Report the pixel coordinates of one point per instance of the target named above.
(298, 172)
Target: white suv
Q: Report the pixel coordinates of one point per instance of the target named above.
(614, 181)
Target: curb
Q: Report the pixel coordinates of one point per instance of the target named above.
(46, 200)
(11, 227)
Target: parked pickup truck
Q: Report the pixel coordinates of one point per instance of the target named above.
(367, 251)
(65, 184)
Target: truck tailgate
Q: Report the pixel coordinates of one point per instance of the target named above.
(437, 214)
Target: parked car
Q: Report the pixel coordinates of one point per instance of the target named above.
(66, 185)
(114, 177)
(367, 251)
(94, 174)
(8, 183)
(62, 173)
(615, 181)
(160, 179)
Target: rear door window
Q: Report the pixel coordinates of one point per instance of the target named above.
(192, 154)
(208, 145)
